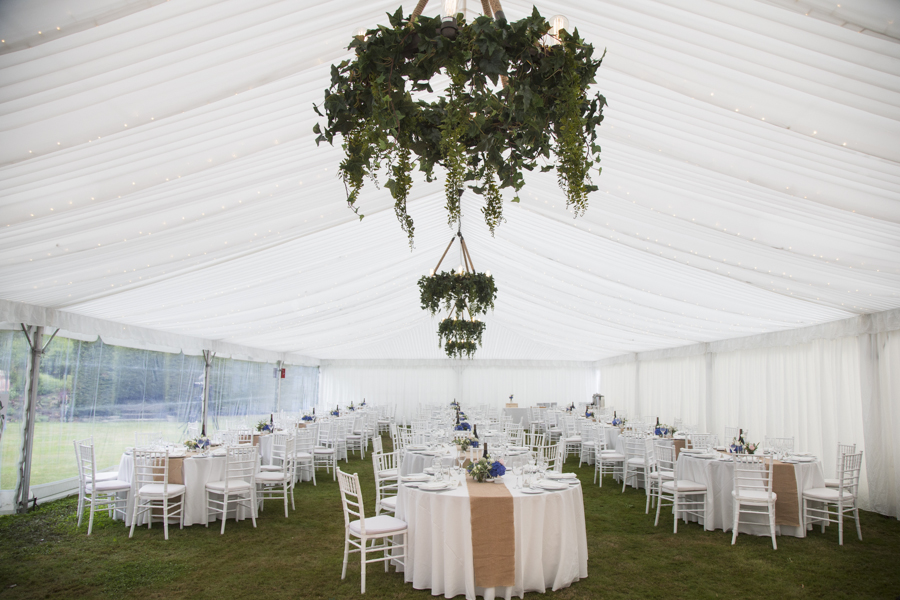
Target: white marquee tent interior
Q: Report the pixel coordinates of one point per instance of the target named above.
(740, 266)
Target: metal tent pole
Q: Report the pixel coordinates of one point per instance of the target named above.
(280, 364)
(23, 481)
(208, 355)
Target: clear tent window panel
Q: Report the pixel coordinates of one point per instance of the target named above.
(92, 389)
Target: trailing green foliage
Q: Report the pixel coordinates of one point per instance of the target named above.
(472, 292)
(480, 129)
(460, 336)
(464, 295)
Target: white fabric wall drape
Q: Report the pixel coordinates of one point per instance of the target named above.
(821, 392)
(880, 382)
(409, 386)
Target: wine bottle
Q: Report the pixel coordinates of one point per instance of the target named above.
(475, 431)
(485, 453)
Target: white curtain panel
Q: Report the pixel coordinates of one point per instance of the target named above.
(821, 393)
(410, 385)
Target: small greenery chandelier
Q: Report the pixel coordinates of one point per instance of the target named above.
(517, 97)
(466, 294)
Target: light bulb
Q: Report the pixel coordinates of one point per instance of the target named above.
(557, 24)
(453, 7)
(431, 273)
(361, 33)
(488, 273)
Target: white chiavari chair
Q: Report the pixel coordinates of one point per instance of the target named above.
(239, 486)
(152, 490)
(304, 459)
(752, 493)
(387, 481)
(95, 477)
(842, 498)
(681, 494)
(96, 491)
(325, 455)
(842, 449)
(276, 481)
(359, 531)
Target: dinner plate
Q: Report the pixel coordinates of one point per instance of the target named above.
(532, 491)
(417, 477)
(417, 448)
(436, 486)
(692, 451)
(802, 454)
(705, 456)
(799, 458)
(518, 449)
(561, 476)
(412, 484)
(553, 485)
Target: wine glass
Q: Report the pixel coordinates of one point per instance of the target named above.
(517, 470)
(436, 467)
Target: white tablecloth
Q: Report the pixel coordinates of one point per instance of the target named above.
(197, 473)
(416, 462)
(551, 542)
(718, 477)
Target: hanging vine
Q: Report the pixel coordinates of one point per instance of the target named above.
(479, 130)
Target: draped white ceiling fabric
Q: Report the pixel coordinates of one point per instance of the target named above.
(158, 169)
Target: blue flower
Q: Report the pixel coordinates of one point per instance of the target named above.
(307, 418)
(463, 427)
(497, 469)
(473, 443)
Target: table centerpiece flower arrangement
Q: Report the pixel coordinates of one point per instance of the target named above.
(201, 443)
(463, 426)
(265, 427)
(308, 418)
(455, 403)
(463, 443)
(484, 470)
(588, 414)
(741, 446)
(618, 422)
(510, 397)
(663, 430)
(335, 413)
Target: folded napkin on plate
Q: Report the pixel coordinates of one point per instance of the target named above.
(561, 476)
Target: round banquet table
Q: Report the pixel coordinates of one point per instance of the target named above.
(197, 473)
(718, 477)
(550, 541)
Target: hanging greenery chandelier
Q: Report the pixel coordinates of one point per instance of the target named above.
(517, 95)
(466, 294)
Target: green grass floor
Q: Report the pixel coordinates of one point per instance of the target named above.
(43, 555)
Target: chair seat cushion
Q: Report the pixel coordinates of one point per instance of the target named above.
(573, 440)
(234, 485)
(827, 494)
(380, 525)
(323, 451)
(354, 437)
(387, 474)
(638, 462)
(612, 456)
(833, 483)
(588, 443)
(265, 468)
(753, 496)
(302, 455)
(665, 476)
(684, 485)
(390, 502)
(272, 477)
(110, 485)
(110, 475)
(158, 489)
